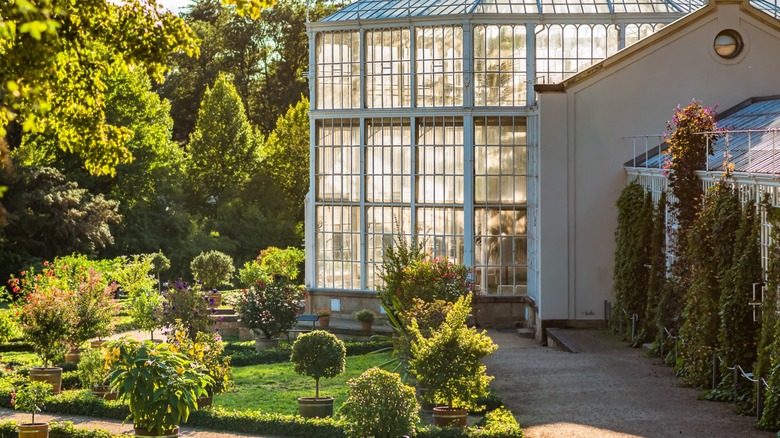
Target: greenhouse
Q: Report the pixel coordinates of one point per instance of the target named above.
(424, 120)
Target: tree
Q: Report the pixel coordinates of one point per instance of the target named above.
(56, 56)
(222, 150)
(51, 216)
(286, 156)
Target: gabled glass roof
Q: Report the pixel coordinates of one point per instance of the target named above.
(379, 9)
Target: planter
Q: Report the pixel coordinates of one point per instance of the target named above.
(425, 406)
(309, 407)
(265, 344)
(53, 375)
(103, 392)
(97, 344)
(366, 325)
(142, 431)
(205, 401)
(444, 416)
(324, 321)
(33, 430)
(73, 355)
(214, 299)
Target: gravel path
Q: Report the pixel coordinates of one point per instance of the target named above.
(606, 390)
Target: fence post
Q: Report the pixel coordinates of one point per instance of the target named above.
(714, 370)
(736, 383)
(759, 399)
(663, 329)
(633, 324)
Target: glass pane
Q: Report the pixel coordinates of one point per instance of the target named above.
(440, 160)
(388, 160)
(337, 152)
(439, 66)
(388, 62)
(337, 70)
(337, 247)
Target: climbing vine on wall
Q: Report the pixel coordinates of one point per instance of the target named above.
(710, 252)
(737, 335)
(657, 315)
(768, 364)
(631, 254)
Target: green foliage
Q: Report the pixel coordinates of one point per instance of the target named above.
(46, 318)
(632, 238)
(365, 315)
(160, 262)
(657, 313)
(145, 302)
(223, 150)
(500, 423)
(281, 262)
(213, 268)
(48, 215)
(249, 356)
(160, 385)
(207, 349)
(84, 43)
(91, 368)
(186, 305)
(285, 155)
(448, 362)
(379, 405)
(32, 397)
(271, 308)
(250, 274)
(8, 327)
(93, 301)
(710, 254)
(737, 335)
(318, 354)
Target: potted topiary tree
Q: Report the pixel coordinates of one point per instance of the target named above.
(145, 301)
(269, 309)
(46, 318)
(366, 318)
(318, 354)
(379, 405)
(160, 385)
(95, 310)
(448, 363)
(213, 269)
(31, 399)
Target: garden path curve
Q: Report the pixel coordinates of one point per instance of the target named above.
(605, 390)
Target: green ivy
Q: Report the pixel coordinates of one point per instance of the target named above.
(657, 316)
(632, 238)
(737, 335)
(710, 253)
(769, 343)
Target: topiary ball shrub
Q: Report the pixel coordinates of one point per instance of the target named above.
(379, 405)
(318, 354)
(213, 268)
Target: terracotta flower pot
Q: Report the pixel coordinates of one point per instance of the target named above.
(366, 325)
(324, 321)
(309, 407)
(33, 430)
(205, 401)
(444, 416)
(53, 375)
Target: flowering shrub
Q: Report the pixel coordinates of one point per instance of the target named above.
(95, 308)
(160, 384)
(46, 318)
(271, 307)
(31, 398)
(435, 279)
(185, 304)
(207, 350)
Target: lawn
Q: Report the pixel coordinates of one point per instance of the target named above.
(276, 387)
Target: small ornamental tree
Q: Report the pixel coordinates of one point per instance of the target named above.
(318, 354)
(145, 300)
(186, 305)
(213, 268)
(379, 405)
(449, 361)
(271, 308)
(31, 398)
(46, 318)
(95, 308)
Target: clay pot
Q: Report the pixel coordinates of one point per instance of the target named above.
(444, 416)
(309, 407)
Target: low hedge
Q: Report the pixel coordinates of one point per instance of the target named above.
(246, 355)
(63, 429)
(16, 346)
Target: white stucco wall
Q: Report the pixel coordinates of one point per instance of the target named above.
(582, 130)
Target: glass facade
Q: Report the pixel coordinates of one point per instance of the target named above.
(424, 124)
